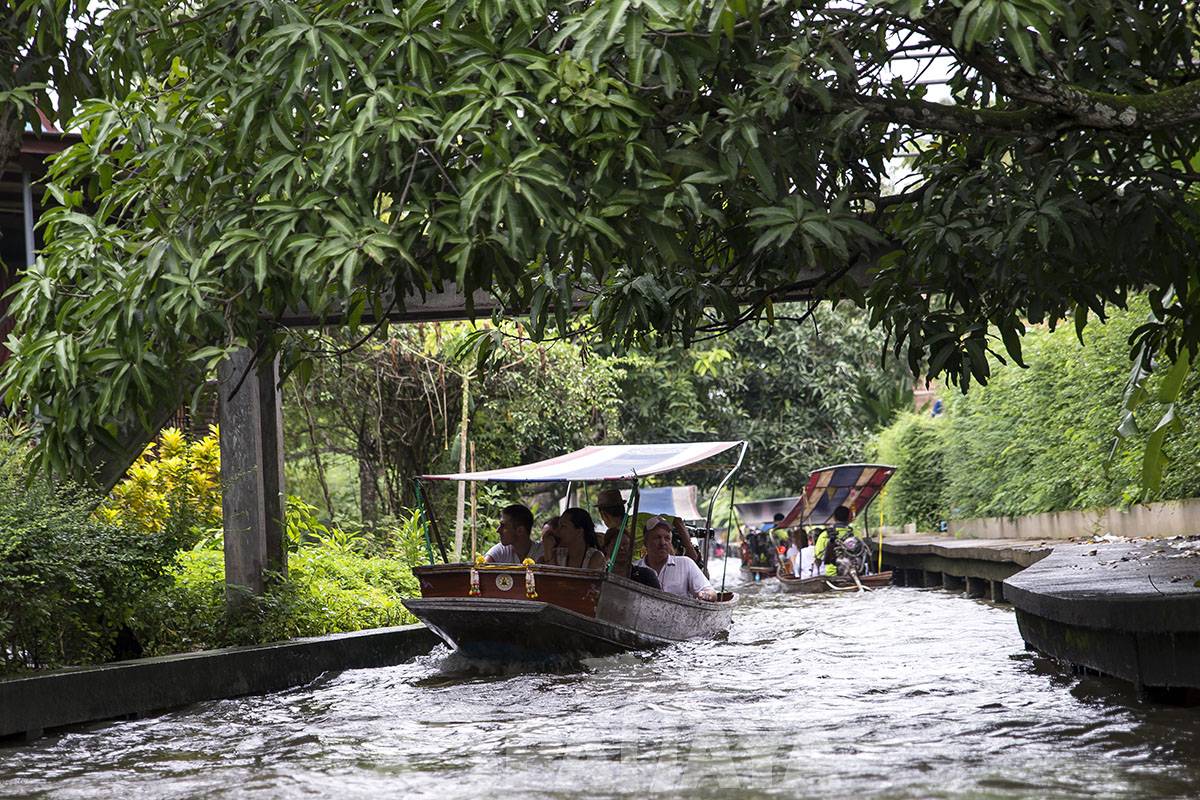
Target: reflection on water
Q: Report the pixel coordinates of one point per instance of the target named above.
(896, 693)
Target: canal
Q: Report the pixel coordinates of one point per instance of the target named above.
(899, 693)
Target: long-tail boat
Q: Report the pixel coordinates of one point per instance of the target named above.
(533, 612)
(854, 486)
(755, 514)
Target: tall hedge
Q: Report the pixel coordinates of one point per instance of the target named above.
(915, 444)
(1038, 439)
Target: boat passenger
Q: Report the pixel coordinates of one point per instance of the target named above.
(516, 543)
(826, 550)
(683, 541)
(799, 556)
(781, 536)
(574, 543)
(611, 506)
(677, 574)
(761, 548)
(807, 555)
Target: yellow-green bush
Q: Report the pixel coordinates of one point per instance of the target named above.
(172, 478)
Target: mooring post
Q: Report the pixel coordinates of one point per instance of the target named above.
(997, 593)
(252, 498)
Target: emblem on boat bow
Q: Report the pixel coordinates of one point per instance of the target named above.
(504, 582)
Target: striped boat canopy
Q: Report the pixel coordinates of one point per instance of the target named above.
(850, 485)
(610, 462)
(756, 512)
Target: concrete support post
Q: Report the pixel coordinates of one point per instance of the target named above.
(997, 591)
(952, 583)
(251, 474)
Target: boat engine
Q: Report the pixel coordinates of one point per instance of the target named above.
(852, 556)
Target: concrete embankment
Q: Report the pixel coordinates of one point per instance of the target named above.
(1127, 609)
(31, 705)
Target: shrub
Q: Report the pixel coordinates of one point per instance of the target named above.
(338, 580)
(173, 483)
(70, 582)
(1039, 439)
(916, 445)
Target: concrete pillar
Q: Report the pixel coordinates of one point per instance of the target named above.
(997, 591)
(952, 583)
(977, 587)
(931, 579)
(252, 497)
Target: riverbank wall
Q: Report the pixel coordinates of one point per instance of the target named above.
(1150, 520)
(31, 705)
(1126, 609)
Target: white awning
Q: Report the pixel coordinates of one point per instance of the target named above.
(612, 462)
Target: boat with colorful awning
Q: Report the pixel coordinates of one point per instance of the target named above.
(534, 611)
(854, 486)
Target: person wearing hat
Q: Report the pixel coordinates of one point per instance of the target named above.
(678, 575)
(611, 506)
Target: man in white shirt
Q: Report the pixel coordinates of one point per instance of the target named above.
(516, 544)
(676, 574)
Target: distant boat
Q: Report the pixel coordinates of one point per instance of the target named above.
(533, 611)
(854, 486)
(825, 583)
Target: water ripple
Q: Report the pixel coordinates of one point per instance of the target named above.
(897, 694)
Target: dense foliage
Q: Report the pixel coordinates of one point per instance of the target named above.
(806, 395)
(915, 444)
(44, 45)
(676, 167)
(1043, 438)
(338, 580)
(394, 406)
(144, 573)
(70, 583)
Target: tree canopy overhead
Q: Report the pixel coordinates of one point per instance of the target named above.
(680, 165)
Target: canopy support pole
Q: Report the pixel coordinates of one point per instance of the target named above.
(721, 485)
(728, 531)
(881, 493)
(631, 503)
(424, 517)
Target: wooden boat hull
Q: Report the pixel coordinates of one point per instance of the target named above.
(821, 583)
(757, 573)
(574, 613)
